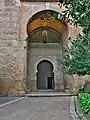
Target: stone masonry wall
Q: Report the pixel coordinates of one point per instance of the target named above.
(40, 52)
(74, 82)
(28, 9)
(13, 21)
(11, 49)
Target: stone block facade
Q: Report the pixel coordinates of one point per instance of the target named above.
(38, 53)
(14, 17)
(74, 82)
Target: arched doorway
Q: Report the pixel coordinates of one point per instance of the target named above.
(45, 75)
(45, 39)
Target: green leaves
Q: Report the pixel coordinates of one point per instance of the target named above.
(76, 60)
(58, 16)
(79, 10)
(84, 101)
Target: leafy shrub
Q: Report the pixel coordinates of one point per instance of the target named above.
(84, 101)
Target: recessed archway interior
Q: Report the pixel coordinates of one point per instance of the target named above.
(45, 23)
(45, 75)
(44, 35)
(45, 40)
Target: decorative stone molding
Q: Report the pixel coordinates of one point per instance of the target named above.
(47, 5)
(17, 2)
(44, 45)
(49, 58)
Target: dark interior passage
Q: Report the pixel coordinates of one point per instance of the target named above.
(45, 75)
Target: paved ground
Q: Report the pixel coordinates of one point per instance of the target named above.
(45, 108)
(7, 99)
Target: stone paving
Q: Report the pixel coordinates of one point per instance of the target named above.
(7, 99)
(44, 108)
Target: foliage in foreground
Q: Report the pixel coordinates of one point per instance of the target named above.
(77, 58)
(84, 101)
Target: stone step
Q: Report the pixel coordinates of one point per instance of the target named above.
(48, 94)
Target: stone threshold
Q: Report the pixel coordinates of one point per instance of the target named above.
(48, 94)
